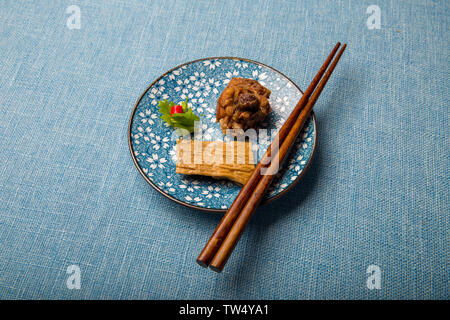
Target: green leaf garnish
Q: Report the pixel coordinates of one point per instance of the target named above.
(185, 120)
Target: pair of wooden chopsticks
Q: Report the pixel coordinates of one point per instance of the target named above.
(222, 242)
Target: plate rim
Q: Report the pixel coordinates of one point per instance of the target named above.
(133, 157)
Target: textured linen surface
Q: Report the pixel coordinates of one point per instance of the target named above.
(376, 193)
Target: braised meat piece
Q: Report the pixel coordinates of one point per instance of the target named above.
(242, 105)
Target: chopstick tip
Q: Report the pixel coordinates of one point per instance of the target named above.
(202, 264)
(215, 269)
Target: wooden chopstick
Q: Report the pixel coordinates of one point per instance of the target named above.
(221, 231)
(243, 218)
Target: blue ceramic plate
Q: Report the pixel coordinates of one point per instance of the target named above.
(202, 81)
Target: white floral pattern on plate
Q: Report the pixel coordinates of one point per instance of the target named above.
(201, 82)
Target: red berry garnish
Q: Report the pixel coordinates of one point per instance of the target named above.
(176, 109)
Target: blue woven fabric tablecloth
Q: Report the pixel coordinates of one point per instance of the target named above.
(376, 193)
